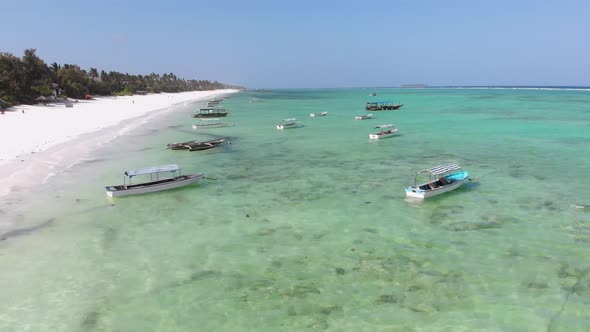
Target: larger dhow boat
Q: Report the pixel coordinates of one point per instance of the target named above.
(383, 105)
(155, 184)
(443, 178)
(211, 112)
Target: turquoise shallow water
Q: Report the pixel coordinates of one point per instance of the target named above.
(308, 229)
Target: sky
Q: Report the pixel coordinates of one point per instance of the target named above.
(314, 44)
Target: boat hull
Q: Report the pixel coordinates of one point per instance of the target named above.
(313, 115)
(193, 145)
(212, 115)
(150, 187)
(288, 126)
(458, 180)
(364, 117)
(201, 147)
(381, 135)
(384, 108)
(207, 126)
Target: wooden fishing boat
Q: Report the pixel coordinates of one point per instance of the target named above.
(318, 114)
(196, 145)
(155, 184)
(383, 105)
(214, 102)
(289, 123)
(200, 146)
(387, 130)
(443, 178)
(363, 117)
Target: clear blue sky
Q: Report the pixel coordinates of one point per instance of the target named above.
(313, 43)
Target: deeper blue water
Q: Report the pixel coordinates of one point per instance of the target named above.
(309, 229)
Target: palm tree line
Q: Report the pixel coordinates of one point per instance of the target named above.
(23, 80)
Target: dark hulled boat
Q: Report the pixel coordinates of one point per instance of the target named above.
(196, 145)
(382, 106)
(211, 112)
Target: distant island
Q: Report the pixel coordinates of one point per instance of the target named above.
(414, 86)
(29, 80)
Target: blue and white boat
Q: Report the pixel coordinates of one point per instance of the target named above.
(155, 184)
(443, 178)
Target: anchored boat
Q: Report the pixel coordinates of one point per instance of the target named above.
(196, 145)
(289, 123)
(313, 115)
(443, 178)
(155, 184)
(387, 130)
(363, 117)
(211, 112)
(214, 102)
(383, 105)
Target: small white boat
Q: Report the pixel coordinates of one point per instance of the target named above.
(387, 130)
(214, 102)
(363, 117)
(313, 115)
(443, 178)
(289, 123)
(155, 184)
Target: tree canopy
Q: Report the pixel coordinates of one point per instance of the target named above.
(22, 80)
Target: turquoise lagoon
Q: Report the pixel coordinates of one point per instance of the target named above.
(309, 229)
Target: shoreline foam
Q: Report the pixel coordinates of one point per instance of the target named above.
(45, 140)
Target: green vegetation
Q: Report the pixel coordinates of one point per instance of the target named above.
(22, 80)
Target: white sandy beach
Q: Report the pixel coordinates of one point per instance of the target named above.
(28, 138)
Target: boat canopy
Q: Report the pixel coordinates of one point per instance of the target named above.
(380, 102)
(384, 126)
(150, 170)
(213, 108)
(438, 170)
